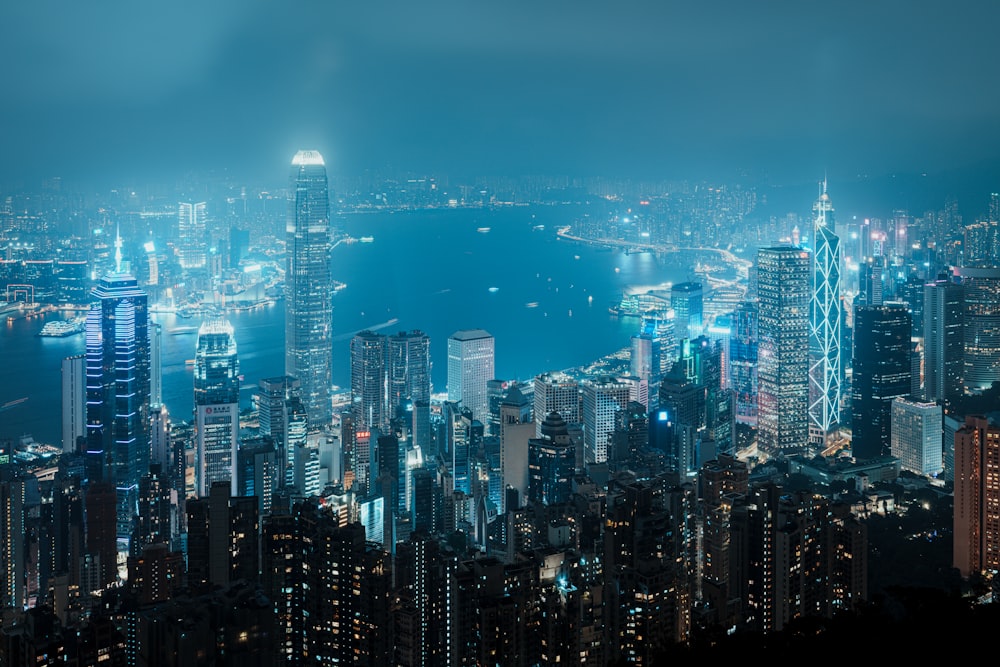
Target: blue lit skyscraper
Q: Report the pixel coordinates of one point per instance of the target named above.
(309, 287)
(217, 405)
(118, 386)
(824, 328)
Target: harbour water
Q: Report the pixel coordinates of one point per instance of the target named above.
(545, 300)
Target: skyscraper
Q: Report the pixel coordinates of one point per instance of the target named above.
(408, 366)
(282, 419)
(881, 373)
(118, 386)
(602, 398)
(556, 392)
(687, 303)
(470, 367)
(743, 361)
(217, 405)
(916, 436)
(943, 339)
(784, 286)
(309, 287)
(193, 234)
(981, 288)
(368, 382)
(824, 328)
(551, 463)
(74, 401)
(977, 495)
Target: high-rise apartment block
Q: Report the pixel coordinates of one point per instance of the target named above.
(977, 497)
(309, 287)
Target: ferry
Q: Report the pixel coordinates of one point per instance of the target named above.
(367, 239)
(62, 328)
(531, 304)
(494, 290)
(483, 230)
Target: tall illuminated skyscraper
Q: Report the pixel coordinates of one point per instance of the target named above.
(944, 305)
(470, 367)
(217, 405)
(118, 386)
(408, 366)
(193, 235)
(784, 288)
(824, 328)
(368, 382)
(981, 350)
(309, 287)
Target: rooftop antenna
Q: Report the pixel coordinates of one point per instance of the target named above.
(118, 249)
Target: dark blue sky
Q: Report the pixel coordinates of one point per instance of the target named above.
(658, 89)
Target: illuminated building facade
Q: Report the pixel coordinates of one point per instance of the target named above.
(470, 367)
(916, 436)
(368, 381)
(309, 287)
(784, 287)
(981, 349)
(217, 405)
(944, 304)
(192, 232)
(825, 370)
(118, 390)
(977, 497)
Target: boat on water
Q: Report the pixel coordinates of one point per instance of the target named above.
(176, 331)
(494, 290)
(367, 239)
(62, 328)
(483, 230)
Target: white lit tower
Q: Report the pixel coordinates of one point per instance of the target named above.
(192, 230)
(309, 287)
(825, 321)
(470, 367)
(783, 291)
(217, 405)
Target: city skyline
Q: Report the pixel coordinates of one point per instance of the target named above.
(550, 347)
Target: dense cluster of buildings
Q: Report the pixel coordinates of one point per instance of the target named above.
(590, 518)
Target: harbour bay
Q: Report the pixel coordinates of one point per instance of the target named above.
(544, 299)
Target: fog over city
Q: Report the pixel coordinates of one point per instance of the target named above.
(782, 92)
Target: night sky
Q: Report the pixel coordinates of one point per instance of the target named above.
(785, 90)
